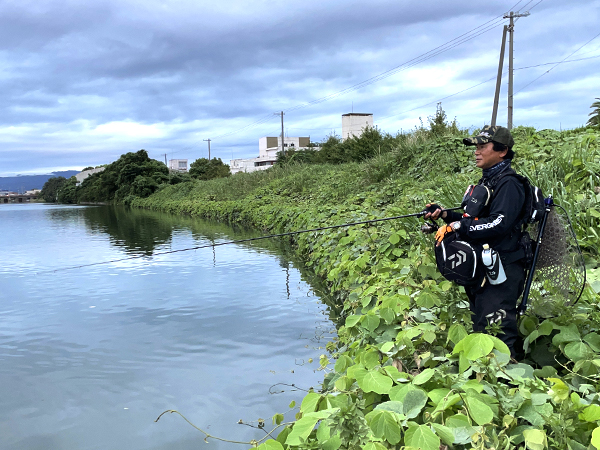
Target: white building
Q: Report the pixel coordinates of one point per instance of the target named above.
(178, 165)
(86, 173)
(267, 153)
(353, 124)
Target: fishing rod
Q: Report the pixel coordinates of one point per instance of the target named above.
(238, 241)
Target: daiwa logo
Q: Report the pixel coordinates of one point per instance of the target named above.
(458, 258)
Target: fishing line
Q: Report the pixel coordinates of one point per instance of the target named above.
(238, 241)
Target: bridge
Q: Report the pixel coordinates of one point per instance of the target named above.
(17, 198)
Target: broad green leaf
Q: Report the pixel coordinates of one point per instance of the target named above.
(461, 427)
(388, 314)
(343, 383)
(500, 346)
(423, 377)
(590, 414)
(374, 381)
(352, 320)
(387, 346)
(475, 346)
(371, 359)
(545, 372)
(302, 429)
(277, 419)
(593, 339)
(596, 437)
(569, 333)
(444, 432)
(463, 362)
(480, 412)
(393, 406)
(535, 415)
(384, 425)
(519, 370)
(422, 437)
(309, 403)
(428, 300)
(342, 363)
(414, 402)
(370, 322)
(333, 443)
(394, 239)
(456, 333)
(472, 384)
(437, 395)
(559, 391)
(535, 439)
(577, 351)
(398, 392)
(270, 445)
(323, 432)
(357, 371)
(546, 328)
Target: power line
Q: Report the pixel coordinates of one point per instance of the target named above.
(560, 62)
(449, 45)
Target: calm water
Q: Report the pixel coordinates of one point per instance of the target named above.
(89, 357)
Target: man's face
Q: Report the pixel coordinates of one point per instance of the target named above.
(486, 157)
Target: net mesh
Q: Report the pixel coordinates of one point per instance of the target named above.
(559, 275)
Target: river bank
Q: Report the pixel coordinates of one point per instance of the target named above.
(406, 370)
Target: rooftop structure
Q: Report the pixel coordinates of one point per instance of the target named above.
(268, 147)
(353, 124)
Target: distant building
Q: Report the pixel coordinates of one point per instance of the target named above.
(86, 173)
(267, 153)
(353, 124)
(178, 165)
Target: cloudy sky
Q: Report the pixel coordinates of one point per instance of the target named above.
(83, 82)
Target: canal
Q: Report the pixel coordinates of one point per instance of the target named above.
(89, 357)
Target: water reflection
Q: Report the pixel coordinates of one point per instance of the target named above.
(90, 357)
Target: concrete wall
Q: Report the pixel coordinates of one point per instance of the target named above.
(86, 173)
(353, 124)
(178, 165)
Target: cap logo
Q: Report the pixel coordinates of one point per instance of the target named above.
(485, 134)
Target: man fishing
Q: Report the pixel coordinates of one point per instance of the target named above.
(497, 224)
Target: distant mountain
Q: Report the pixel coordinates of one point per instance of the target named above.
(22, 183)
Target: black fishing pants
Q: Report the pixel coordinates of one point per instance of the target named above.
(498, 303)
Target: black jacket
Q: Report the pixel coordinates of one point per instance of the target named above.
(500, 222)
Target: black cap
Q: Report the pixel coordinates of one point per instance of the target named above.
(488, 134)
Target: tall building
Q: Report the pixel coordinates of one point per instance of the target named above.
(353, 124)
(178, 165)
(267, 153)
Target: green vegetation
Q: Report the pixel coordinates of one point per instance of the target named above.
(594, 120)
(59, 190)
(406, 371)
(133, 175)
(205, 169)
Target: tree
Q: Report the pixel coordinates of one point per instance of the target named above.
(68, 191)
(51, 189)
(594, 120)
(132, 175)
(204, 169)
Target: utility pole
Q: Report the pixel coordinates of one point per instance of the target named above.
(499, 77)
(277, 114)
(511, 30)
(208, 140)
(166, 159)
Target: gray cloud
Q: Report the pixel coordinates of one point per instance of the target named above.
(82, 83)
